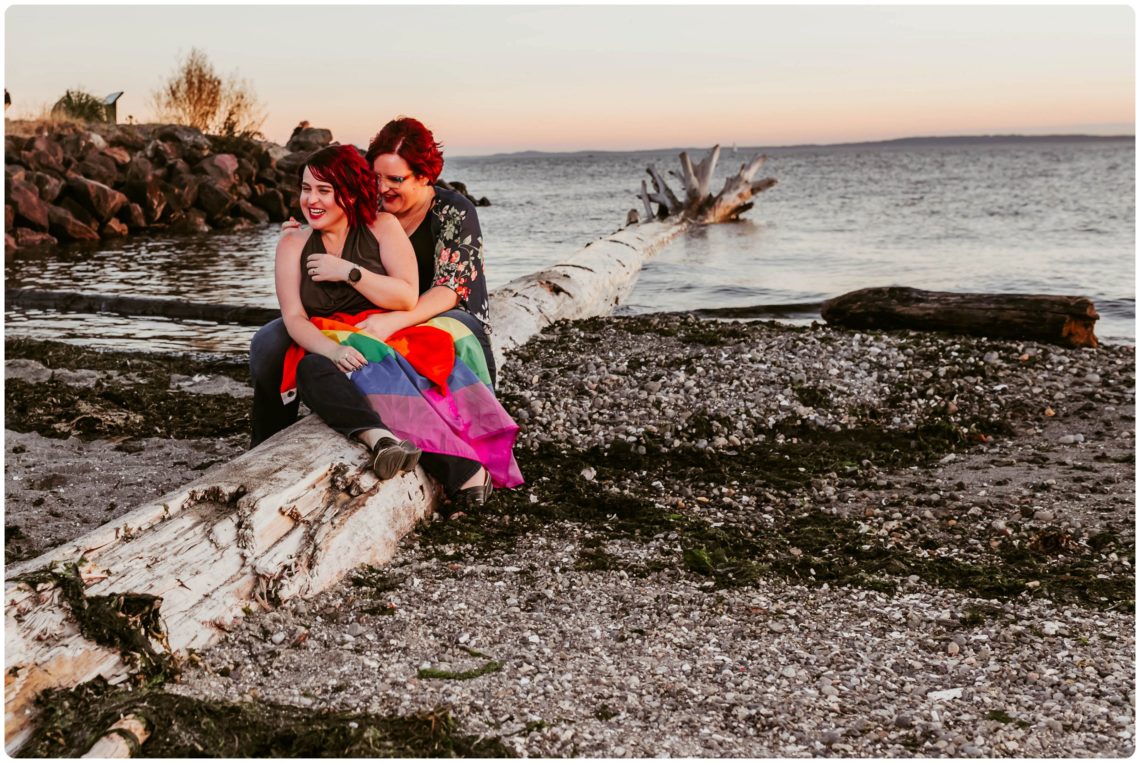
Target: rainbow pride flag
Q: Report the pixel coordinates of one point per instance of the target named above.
(431, 385)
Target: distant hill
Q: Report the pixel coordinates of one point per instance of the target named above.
(946, 140)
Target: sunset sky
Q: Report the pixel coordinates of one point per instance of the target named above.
(512, 78)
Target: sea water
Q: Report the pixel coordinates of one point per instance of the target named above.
(1033, 217)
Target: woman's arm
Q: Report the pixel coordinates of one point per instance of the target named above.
(458, 274)
(287, 279)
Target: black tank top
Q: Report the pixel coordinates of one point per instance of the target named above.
(424, 245)
(327, 297)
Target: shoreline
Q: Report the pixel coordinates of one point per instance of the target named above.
(735, 539)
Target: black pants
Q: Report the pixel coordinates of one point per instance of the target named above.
(333, 396)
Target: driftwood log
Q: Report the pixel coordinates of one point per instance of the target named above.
(1067, 321)
(289, 518)
(699, 205)
(123, 304)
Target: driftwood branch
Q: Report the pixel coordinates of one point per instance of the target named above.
(1063, 320)
(121, 304)
(700, 205)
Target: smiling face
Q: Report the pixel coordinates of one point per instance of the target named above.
(318, 203)
(401, 190)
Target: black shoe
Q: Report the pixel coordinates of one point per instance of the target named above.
(391, 457)
(470, 499)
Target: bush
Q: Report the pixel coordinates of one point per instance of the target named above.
(196, 96)
(76, 104)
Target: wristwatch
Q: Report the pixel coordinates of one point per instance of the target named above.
(354, 275)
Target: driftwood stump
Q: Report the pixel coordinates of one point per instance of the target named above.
(699, 205)
(1066, 321)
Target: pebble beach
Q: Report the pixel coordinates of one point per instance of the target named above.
(736, 539)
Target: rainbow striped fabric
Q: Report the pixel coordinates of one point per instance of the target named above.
(430, 384)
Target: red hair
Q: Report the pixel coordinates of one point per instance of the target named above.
(412, 142)
(355, 186)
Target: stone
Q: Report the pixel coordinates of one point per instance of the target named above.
(213, 199)
(119, 155)
(148, 196)
(194, 145)
(162, 152)
(288, 165)
(129, 137)
(139, 170)
(114, 229)
(101, 169)
(82, 214)
(310, 139)
(190, 221)
(250, 212)
(27, 238)
(9, 217)
(66, 227)
(29, 207)
(42, 161)
(100, 199)
(50, 187)
(273, 204)
(220, 168)
(133, 215)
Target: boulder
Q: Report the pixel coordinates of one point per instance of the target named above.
(273, 154)
(194, 145)
(310, 139)
(79, 146)
(129, 137)
(133, 215)
(219, 168)
(247, 170)
(14, 145)
(12, 173)
(271, 201)
(148, 196)
(96, 140)
(162, 152)
(100, 199)
(43, 161)
(114, 229)
(30, 208)
(26, 238)
(10, 244)
(49, 186)
(45, 143)
(248, 211)
(289, 164)
(81, 213)
(190, 221)
(140, 170)
(9, 217)
(101, 169)
(119, 155)
(66, 227)
(213, 199)
(178, 173)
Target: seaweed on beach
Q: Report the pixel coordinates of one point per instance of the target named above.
(184, 727)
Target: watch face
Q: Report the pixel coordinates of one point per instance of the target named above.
(354, 275)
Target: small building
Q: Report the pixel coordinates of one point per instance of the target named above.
(110, 109)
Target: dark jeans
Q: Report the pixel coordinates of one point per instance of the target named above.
(333, 396)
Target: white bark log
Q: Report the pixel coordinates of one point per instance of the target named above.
(114, 745)
(289, 518)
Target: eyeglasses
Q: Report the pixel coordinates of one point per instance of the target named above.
(393, 181)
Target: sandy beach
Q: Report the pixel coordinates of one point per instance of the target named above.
(736, 539)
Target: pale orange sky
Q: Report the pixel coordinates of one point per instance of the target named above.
(512, 78)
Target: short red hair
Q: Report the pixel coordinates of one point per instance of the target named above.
(355, 186)
(412, 142)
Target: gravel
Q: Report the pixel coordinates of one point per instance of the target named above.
(647, 655)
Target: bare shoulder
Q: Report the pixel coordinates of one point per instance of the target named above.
(385, 222)
(293, 240)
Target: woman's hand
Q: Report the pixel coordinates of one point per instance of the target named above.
(325, 267)
(383, 325)
(290, 224)
(346, 358)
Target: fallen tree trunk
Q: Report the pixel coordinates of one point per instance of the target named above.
(1067, 321)
(121, 304)
(289, 518)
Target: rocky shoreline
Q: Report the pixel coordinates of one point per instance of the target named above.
(83, 183)
(735, 540)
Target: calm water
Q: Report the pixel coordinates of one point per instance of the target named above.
(1052, 218)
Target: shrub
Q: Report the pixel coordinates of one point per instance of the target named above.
(76, 104)
(196, 96)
